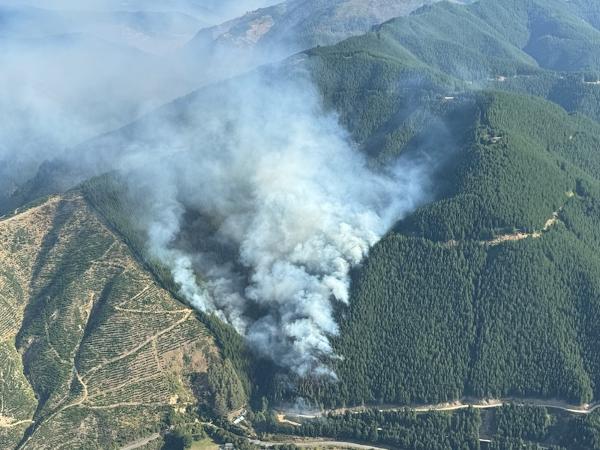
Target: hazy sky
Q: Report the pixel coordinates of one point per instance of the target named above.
(210, 11)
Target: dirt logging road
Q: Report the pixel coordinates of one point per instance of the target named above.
(464, 404)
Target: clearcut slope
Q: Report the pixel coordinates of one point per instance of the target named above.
(96, 351)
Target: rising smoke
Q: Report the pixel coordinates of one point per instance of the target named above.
(254, 197)
(292, 208)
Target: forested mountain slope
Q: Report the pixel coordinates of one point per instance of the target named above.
(487, 44)
(94, 352)
(491, 291)
(493, 288)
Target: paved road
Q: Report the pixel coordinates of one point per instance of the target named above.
(489, 404)
(141, 442)
(464, 404)
(318, 443)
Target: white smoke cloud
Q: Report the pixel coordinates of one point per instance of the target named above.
(290, 196)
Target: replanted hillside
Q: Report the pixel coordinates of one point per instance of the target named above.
(95, 352)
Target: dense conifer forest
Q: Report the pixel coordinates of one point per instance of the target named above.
(510, 234)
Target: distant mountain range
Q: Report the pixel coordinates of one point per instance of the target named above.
(205, 12)
(55, 44)
(293, 25)
(150, 31)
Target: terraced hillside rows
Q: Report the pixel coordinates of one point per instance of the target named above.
(94, 352)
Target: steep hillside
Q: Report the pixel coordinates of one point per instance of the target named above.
(95, 352)
(458, 39)
(303, 24)
(294, 25)
(384, 79)
(501, 273)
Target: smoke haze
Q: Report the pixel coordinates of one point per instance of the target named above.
(77, 70)
(252, 194)
(208, 12)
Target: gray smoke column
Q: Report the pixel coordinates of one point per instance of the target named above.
(288, 197)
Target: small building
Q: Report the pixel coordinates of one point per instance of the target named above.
(239, 420)
(241, 416)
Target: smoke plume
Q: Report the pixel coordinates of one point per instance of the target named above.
(251, 193)
(271, 204)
